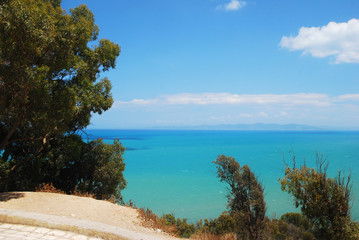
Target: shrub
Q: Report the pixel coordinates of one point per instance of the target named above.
(324, 201)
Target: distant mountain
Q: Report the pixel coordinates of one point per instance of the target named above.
(256, 126)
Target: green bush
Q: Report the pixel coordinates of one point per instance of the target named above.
(185, 229)
(297, 220)
(281, 229)
(324, 201)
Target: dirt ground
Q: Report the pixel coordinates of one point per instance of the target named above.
(76, 207)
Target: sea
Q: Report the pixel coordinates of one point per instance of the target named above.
(172, 171)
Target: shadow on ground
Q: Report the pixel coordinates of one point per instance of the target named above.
(6, 196)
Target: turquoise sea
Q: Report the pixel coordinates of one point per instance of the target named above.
(171, 171)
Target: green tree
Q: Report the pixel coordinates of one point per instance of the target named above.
(245, 198)
(50, 63)
(48, 72)
(324, 201)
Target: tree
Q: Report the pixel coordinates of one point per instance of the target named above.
(245, 198)
(48, 72)
(49, 86)
(324, 201)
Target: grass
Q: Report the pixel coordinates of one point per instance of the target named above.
(49, 187)
(151, 220)
(210, 236)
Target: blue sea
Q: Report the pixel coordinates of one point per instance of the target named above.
(171, 171)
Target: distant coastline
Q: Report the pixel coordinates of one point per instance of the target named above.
(235, 127)
(250, 127)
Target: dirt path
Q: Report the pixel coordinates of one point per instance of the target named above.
(81, 208)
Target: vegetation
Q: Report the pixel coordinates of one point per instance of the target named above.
(49, 89)
(324, 201)
(245, 199)
(290, 226)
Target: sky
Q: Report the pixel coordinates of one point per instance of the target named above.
(211, 62)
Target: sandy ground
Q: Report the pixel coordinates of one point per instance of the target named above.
(78, 208)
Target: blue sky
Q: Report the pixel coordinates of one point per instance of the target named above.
(195, 62)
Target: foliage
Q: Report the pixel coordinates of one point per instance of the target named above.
(209, 236)
(97, 170)
(281, 230)
(297, 220)
(151, 220)
(290, 226)
(73, 165)
(185, 229)
(324, 201)
(48, 72)
(223, 227)
(49, 89)
(233, 225)
(225, 223)
(167, 223)
(246, 200)
(49, 188)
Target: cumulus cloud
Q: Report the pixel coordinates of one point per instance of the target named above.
(232, 5)
(339, 40)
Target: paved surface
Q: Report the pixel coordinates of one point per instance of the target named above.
(24, 232)
(89, 228)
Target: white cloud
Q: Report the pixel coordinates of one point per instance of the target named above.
(227, 98)
(245, 115)
(136, 102)
(308, 99)
(339, 40)
(262, 114)
(348, 97)
(232, 5)
(225, 108)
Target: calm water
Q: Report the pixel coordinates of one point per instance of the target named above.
(172, 171)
